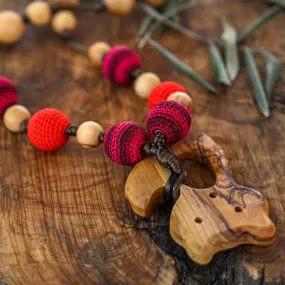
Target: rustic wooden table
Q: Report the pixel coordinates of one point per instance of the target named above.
(63, 216)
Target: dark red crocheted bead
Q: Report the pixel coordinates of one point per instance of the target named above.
(170, 117)
(118, 63)
(123, 143)
(162, 91)
(46, 129)
(8, 94)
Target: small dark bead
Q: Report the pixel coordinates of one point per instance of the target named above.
(136, 73)
(66, 35)
(26, 19)
(71, 130)
(103, 57)
(56, 7)
(24, 127)
(101, 137)
(99, 7)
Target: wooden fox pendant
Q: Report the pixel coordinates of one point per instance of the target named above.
(203, 221)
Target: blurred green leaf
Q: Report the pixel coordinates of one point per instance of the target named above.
(281, 3)
(269, 14)
(182, 67)
(218, 66)
(231, 49)
(272, 73)
(171, 5)
(146, 23)
(256, 83)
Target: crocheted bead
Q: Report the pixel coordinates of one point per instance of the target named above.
(123, 143)
(170, 117)
(8, 94)
(46, 129)
(118, 64)
(162, 91)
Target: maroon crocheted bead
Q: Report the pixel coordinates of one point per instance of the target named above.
(118, 64)
(8, 94)
(162, 91)
(170, 117)
(123, 143)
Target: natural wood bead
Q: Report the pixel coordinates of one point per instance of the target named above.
(120, 7)
(15, 116)
(183, 98)
(156, 3)
(145, 83)
(88, 134)
(97, 51)
(39, 13)
(12, 27)
(64, 21)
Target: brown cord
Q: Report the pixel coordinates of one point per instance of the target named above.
(168, 160)
(172, 188)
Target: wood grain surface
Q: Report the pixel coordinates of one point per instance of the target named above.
(63, 216)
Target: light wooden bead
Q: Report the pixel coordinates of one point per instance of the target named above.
(15, 116)
(39, 13)
(120, 7)
(156, 3)
(183, 98)
(64, 21)
(12, 27)
(88, 134)
(145, 83)
(97, 51)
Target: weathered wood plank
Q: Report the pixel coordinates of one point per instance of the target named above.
(64, 218)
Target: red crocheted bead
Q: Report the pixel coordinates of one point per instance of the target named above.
(170, 117)
(8, 94)
(46, 129)
(118, 63)
(123, 143)
(162, 91)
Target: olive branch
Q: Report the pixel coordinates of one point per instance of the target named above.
(225, 53)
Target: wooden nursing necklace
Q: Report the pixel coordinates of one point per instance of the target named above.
(119, 64)
(203, 221)
(62, 19)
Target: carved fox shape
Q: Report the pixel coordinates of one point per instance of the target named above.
(203, 221)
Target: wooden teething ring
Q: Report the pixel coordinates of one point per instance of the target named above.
(203, 221)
